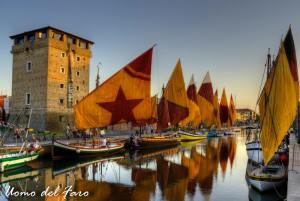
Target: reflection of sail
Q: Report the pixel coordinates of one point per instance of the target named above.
(205, 176)
(212, 153)
(232, 150)
(224, 154)
(177, 182)
(162, 173)
(145, 180)
(103, 191)
(191, 165)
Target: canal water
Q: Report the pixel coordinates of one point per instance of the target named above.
(212, 169)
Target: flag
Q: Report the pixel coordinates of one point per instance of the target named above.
(206, 100)
(124, 97)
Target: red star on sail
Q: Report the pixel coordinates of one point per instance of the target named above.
(121, 108)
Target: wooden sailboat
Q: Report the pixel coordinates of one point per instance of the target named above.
(172, 109)
(113, 102)
(278, 106)
(12, 160)
(194, 117)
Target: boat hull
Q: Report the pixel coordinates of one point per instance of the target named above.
(254, 151)
(184, 136)
(16, 162)
(157, 142)
(264, 178)
(264, 185)
(61, 150)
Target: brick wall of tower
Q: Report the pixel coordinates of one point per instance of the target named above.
(33, 82)
(46, 82)
(59, 114)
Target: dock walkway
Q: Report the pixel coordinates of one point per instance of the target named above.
(293, 193)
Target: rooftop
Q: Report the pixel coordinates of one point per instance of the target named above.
(46, 28)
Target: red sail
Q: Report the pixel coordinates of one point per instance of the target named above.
(290, 51)
(224, 112)
(163, 114)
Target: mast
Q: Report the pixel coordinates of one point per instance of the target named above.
(98, 76)
(269, 63)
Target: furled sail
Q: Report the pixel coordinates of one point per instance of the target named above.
(224, 112)
(278, 105)
(176, 97)
(124, 97)
(232, 111)
(206, 100)
(216, 112)
(194, 111)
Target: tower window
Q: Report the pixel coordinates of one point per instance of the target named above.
(28, 99)
(77, 88)
(61, 101)
(62, 70)
(63, 54)
(78, 58)
(42, 35)
(61, 118)
(31, 37)
(28, 66)
(61, 86)
(77, 73)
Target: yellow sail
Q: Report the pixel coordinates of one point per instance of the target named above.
(216, 113)
(176, 97)
(278, 106)
(194, 111)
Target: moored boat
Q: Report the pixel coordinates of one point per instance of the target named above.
(187, 136)
(157, 142)
(264, 178)
(14, 160)
(62, 149)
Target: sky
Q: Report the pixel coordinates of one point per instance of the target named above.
(228, 38)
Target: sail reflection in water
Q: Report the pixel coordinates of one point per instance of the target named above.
(208, 170)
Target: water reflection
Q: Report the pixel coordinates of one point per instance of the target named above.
(203, 171)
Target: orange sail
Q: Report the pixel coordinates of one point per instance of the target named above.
(194, 111)
(124, 97)
(216, 112)
(176, 97)
(224, 112)
(206, 100)
(232, 112)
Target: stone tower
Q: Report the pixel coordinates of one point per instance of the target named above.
(50, 75)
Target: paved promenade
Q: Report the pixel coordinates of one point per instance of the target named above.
(294, 170)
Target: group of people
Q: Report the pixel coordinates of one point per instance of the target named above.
(87, 134)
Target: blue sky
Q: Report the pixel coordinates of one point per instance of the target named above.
(229, 38)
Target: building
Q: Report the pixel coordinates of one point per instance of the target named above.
(245, 115)
(50, 74)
